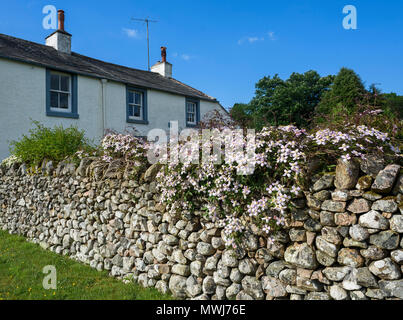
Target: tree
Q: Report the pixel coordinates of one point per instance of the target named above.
(346, 92)
(394, 103)
(242, 114)
(283, 102)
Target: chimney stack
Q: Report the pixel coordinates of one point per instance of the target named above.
(60, 39)
(163, 67)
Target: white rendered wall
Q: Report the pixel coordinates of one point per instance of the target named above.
(60, 41)
(23, 97)
(163, 68)
(162, 108)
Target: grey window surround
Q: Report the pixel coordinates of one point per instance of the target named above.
(73, 114)
(144, 106)
(197, 102)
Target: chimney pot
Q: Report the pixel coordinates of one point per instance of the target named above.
(60, 15)
(163, 54)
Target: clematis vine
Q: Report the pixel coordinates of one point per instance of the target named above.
(239, 200)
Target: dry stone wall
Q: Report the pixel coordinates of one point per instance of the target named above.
(343, 240)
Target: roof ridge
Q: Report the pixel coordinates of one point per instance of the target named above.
(114, 64)
(186, 85)
(79, 54)
(146, 71)
(95, 63)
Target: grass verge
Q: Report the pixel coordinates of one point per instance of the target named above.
(21, 276)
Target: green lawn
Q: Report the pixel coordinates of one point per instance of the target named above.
(21, 265)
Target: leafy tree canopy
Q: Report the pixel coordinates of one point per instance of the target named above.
(282, 102)
(308, 100)
(345, 93)
(242, 114)
(395, 103)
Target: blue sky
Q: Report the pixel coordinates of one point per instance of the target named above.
(224, 47)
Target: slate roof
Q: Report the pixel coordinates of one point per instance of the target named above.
(45, 56)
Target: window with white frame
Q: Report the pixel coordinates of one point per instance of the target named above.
(136, 105)
(191, 109)
(60, 92)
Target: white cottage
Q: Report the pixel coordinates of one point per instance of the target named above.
(55, 86)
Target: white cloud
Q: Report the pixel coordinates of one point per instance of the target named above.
(271, 35)
(249, 39)
(185, 57)
(131, 33)
(254, 39)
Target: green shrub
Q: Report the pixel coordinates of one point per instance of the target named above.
(49, 143)
(370, 115)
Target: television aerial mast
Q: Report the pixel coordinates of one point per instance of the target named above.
(147, 21)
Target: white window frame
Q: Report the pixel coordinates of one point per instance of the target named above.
(194, 112)
(69, 109)
(133, 104)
